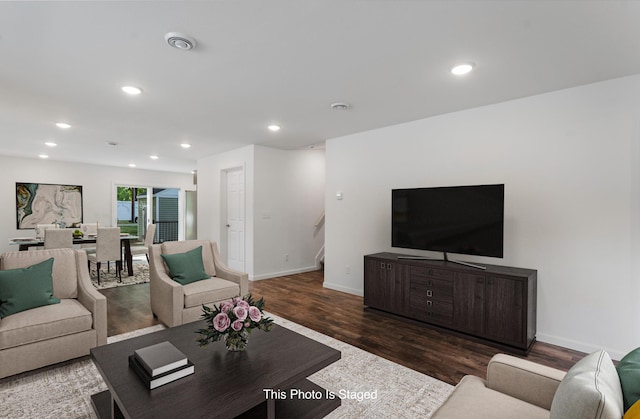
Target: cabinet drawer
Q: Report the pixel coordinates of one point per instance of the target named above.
(431, 272)
(433, 289)
(432, 311)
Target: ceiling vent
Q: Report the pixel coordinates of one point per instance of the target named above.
(180, 41)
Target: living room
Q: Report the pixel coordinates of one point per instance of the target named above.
(568, 154)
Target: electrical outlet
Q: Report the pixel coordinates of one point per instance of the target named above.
(347, 270)
(286, 257)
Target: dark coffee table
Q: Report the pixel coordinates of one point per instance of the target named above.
(225, 384)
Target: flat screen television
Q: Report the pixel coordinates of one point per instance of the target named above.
(458, 219)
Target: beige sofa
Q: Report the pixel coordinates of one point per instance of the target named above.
(53, 333)
(517, 388)
(175, 304)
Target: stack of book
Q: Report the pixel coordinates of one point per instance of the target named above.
(160, 364)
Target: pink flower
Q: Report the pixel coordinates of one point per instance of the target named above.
(240, 312)
(226, 306)
(242, 303)
(237, 325)
(221, 322)
(255, 314)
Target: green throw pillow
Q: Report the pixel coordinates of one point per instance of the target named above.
(186, 268)
(629, 372)
(26, 288)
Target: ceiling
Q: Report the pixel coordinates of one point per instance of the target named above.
(261, 62)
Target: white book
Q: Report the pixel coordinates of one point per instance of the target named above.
(160, 358)
(162, 379)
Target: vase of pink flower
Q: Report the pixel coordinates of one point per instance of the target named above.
(233, 320)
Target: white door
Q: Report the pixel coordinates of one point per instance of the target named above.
(235, 218)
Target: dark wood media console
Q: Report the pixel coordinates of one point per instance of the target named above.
(496, 305)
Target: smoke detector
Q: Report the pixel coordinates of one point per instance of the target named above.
(340, 106)
(180, 41)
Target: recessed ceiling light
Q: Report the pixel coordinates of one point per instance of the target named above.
(50, 144)
(462, 69)
(132, 165)
(340, 106)
(43, 156)
(274, 127)
(185, 145)
(154, 157)
(180, 41)
(131, 90)
(62, 125)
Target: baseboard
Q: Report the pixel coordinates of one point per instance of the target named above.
(283, 273)
(337, 287)
(579, 346)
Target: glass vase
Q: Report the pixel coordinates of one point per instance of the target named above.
(236, 341)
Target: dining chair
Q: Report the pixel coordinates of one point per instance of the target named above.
(148, 241)
(108, 249)
(41, 228)
(89, 229)
(58, 239)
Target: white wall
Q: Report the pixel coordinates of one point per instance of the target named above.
(284, 197)
(289, 198)
(570, 164)
(98, 188)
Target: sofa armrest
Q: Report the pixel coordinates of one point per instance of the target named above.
(91, 299)
(524, 380)
(224, 272)
(166, 295)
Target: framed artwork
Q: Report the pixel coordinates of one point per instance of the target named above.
(43, 203)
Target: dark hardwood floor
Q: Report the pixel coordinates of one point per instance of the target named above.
(302, 299)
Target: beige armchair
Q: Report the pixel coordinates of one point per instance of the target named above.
(516, 388)
(175, 304)
(53, 333)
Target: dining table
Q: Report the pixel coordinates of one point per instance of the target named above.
(24, 243)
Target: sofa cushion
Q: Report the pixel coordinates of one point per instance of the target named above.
(209, 291)
(65, 271)
(26, 288)
(187, 267)
(44, 323)
(472, 399)
(629, 372)
(591, 389)
(169, 248)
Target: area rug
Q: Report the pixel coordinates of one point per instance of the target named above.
(110, 279)
(64, 391)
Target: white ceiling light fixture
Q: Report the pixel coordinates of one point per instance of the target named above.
(43, 156)
(62, 125)
(50, 144)
(185, 145)
(340, 106)
(180, 41)
(462, 69)
(154, 157)
(132, 165)
(274, 127)
(131, 90)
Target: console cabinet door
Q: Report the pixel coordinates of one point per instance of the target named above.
(506, 313)
(469, 303)
(384, 285)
